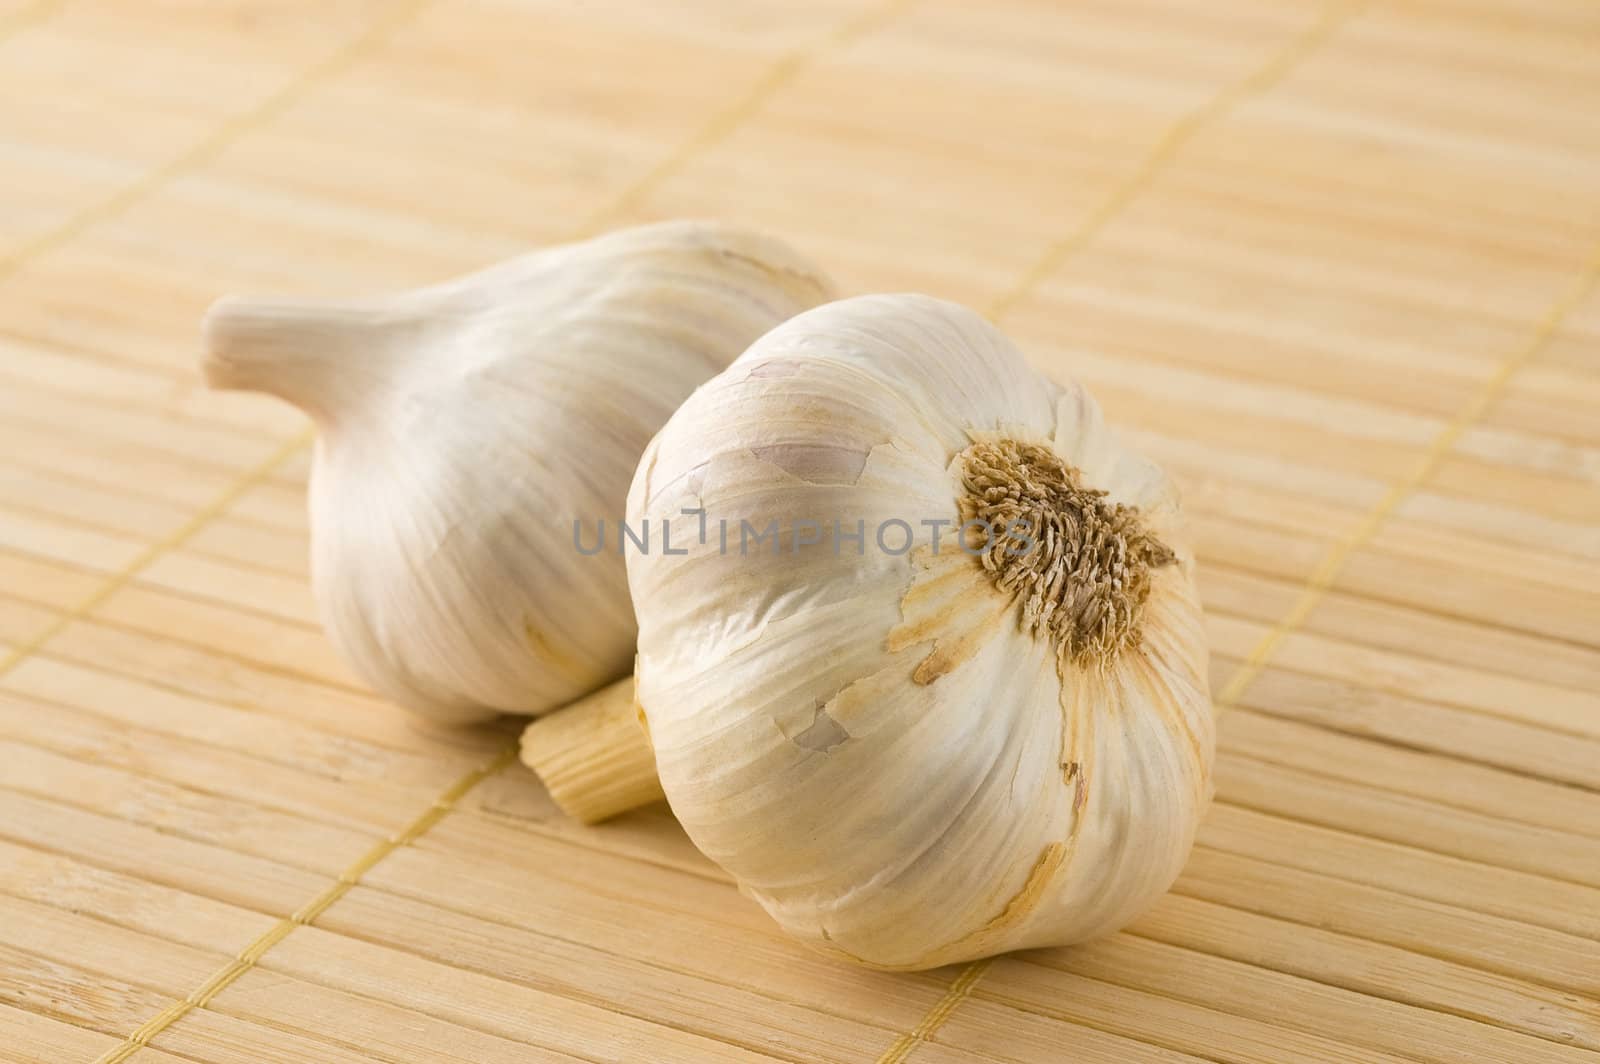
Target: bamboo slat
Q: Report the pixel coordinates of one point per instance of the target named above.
(1334, 264)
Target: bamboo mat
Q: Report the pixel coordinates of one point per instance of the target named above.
(1334, 264)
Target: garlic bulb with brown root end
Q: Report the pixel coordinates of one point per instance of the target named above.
(915, 742)
(476, 437)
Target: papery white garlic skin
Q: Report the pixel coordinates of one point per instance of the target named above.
(465, 428)
(873, 744)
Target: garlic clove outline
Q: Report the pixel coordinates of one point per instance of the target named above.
(470, 431)
(916, 757)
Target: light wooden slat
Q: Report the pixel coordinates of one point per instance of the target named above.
(1575, 350)
(1437, 538)
(1492, 943)
(1205, 462)
(1129, 301)
(43, 583)
(192, 681)
(276, 504)
(99, 1003)
(1418, 873)
(500, 1005)
(27, 1037)
(1164, 1021)
(42, 537)
(1340, 704)
(343, 792)
(19, 16)
(86, 299)
(1559, 708)
(1004, 1032)
(1336, 959)
(1252, 301)
(1543, 607)
(148, 475)
(82, 376)
(241, 826)
(480, 901)
(48, 495)
(102, 381)
(505, 805)
(161, 858)
(190, 225)
(515, 163)
(1565, 616)
(349, 747)
(832, 134)
(19, 620)
(285, 553)
(1492, 108)
(798, 1016)
(42, 931)
(93, 37)
(119, 580)
(389, 965)
(697, 925)
(1316, 798)
(113, 1000)
(1415, 631)
(1506, 525)
(588, 883)
(1314, 1007)
(239, 586)
(403, 1033)
(292, 648)
(1477, 788)
(1299, 417)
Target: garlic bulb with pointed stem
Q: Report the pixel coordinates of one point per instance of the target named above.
(473, 433)
(920, 649)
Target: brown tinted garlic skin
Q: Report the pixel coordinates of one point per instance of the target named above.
(465, 429)
(917, 756)
(1084, 570)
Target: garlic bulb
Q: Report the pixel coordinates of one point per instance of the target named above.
(474, 436)
(916, 743)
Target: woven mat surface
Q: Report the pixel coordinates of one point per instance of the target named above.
(1334, 264)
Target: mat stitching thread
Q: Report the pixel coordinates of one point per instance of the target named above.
(1150, 167)
(719, 127)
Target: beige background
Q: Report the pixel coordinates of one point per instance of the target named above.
(1334, 264)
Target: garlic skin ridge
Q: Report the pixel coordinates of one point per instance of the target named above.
(885, 751)
(465, 427)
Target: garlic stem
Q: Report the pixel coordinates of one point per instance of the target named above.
(319, 356)
(594, 755)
